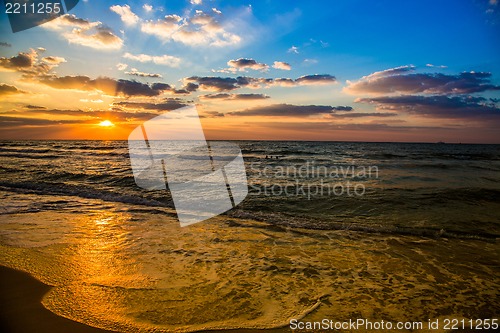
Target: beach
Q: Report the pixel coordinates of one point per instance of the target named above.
(21, 309)
(419, 245)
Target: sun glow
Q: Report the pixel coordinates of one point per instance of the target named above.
(106, 123)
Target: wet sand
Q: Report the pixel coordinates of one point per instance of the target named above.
(21, 309)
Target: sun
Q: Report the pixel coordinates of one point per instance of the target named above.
(106, 123)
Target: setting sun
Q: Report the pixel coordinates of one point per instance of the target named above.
(106, 123)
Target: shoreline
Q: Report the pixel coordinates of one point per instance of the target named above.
(21, 309)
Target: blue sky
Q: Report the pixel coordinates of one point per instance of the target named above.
(382, 70)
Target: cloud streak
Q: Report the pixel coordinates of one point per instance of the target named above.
(400, 81)
(216, 83)
(233, 97)
(109, 86)
(454, 107)
(289, 110)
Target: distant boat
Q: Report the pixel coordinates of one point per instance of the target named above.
(440, 142)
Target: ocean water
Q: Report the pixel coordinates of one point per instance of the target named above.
(393, 231)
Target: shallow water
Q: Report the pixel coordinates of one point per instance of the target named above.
(417, 245)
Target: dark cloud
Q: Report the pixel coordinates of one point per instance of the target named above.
(464, 107)
(34, 107)
(19, 62)
(242, 64)
(4, 44)
(363, 114)
(53, 60)
(135, 72)
(29, 65)
(216, 83)
(87, 116)
(6, 89)
(8, 122)
(226, 96)
(109, 86)
(285, 82)
(398, 81)
(167, 105)
(288, 110)
(190, 87)
(212, 114)
(316, 79)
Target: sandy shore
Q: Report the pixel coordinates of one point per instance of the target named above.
(21, 309)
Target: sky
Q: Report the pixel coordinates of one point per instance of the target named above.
(383, 71)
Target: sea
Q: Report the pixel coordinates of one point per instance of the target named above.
(335, 230)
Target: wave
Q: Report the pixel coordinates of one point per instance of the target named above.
(82, 192)
(286, 223)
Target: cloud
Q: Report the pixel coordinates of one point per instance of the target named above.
(4, 44)
(86, 33)
(109, 86)
(288, 110)
(436, 66)
(9, 122)
(398, 80)
(196, 2)
(84, 100)
(34, 107)
(309, 61)
(363, 114)
(232, 97)
(85, 117)
(242, 64)
(215, 83)
(391, 71)
(147, 7)
(202, 29)
(284, 82)
(167, 105)
(282, 65)
(6, 89)
(70, 21)
(293, 49)
(464, 107)
(135, 72)
(97, 38)
(121, 66)
(166, 60)
(126, 14)
(212, 114)
(28, 64)
(316, 79)
(18, 63)
(54, 60)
